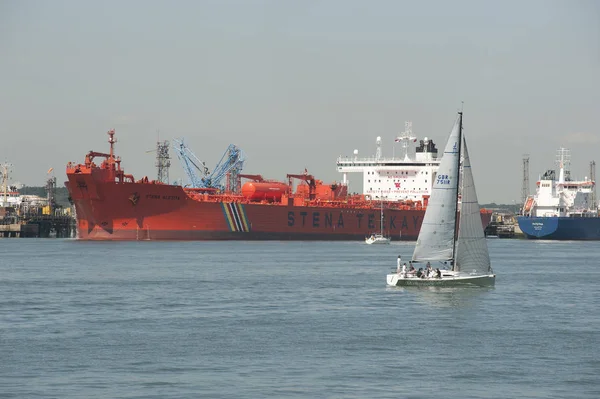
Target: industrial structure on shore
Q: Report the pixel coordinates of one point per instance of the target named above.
(26, 216)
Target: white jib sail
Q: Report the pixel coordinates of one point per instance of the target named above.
(436, 237)
(472, 254)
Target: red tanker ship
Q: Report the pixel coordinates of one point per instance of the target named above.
(112, 205)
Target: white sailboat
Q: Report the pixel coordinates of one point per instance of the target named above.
(379, 238)
(457, 242)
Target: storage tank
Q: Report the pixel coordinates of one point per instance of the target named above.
(260, 191)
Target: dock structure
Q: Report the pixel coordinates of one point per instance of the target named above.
(33, 216)
(503, 225)
(10, 230)
(31, 225)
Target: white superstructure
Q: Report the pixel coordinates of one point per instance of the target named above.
(10, 197)
(407, 177)
(561, 196)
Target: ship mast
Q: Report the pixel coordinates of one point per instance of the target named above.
(405, 137)
(111, 140)
(163, 161)
(5, 169)
(563, 159)
(593, 180)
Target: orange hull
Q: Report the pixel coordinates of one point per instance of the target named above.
(111, 205)
(162, 212)
(141, 211)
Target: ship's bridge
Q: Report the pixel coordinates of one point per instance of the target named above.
(407, 177)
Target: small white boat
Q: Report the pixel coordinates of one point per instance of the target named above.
(377, 239)
(458, 242)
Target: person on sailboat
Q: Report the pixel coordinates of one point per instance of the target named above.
(403, 272)
(427, 270)
(399, 264)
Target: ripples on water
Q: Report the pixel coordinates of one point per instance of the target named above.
(299, 319)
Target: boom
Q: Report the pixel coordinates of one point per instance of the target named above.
(195, 169)
(230, 165)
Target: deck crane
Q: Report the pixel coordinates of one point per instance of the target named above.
(195, 169)
(309, 179)
(230, 165)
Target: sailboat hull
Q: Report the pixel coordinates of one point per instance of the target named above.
(485, 280)
(377, 240)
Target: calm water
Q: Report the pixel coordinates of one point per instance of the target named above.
(292, 320)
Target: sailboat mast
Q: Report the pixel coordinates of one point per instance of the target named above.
(458, 181)
(381, 219)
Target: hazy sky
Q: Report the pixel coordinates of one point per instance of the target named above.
(295, 84)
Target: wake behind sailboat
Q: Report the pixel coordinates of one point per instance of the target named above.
(446, 238)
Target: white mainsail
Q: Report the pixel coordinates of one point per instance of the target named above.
(436, 237)
(471, 249)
